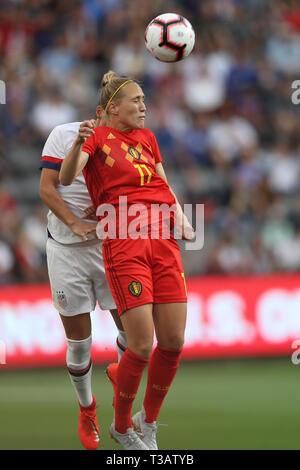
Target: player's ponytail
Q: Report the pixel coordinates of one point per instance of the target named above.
(107, 77)
(111, 85)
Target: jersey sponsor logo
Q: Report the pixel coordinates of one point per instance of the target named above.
(134, 153)
(61, 298)
(135, 288)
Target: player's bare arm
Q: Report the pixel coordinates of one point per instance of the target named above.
(76, 160)
(51, 197)
(182, 224)
(90, 213)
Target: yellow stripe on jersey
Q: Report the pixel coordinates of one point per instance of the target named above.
(182, 275)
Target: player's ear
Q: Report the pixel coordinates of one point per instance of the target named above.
(114, 108)
(101, 116)
(99, 112)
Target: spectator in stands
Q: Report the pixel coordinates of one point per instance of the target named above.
(230, 102)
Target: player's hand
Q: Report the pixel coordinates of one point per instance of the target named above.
(83, 229)
(183, 228)
(188, 233)
(85, 130)
(89, 213)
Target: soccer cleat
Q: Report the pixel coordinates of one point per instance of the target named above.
(111, 372)
(88, 430)
(129, 440)
(148, 430)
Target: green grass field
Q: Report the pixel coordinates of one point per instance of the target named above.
(244, 404)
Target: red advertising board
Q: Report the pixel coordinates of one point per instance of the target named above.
(227, 317)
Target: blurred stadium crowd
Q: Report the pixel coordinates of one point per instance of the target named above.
(224, 119)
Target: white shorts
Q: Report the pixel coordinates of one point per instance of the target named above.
(77, 277)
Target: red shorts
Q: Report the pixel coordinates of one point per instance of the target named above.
(144, 271)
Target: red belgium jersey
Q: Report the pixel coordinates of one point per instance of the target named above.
(123, 164)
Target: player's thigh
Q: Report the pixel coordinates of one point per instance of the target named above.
(139, 328)
(117, 319)
(70, 279)
(170, 322)
(167, 274)
(100, 283)
(129, 272)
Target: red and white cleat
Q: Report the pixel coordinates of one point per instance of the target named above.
(88, 430)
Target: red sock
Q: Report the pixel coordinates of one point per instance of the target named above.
(130, 371)
(163, 366)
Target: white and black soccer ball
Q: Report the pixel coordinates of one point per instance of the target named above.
(170, 37)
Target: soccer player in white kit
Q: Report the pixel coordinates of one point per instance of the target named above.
(76, 270)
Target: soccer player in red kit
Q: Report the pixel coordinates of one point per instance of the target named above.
(145, 274)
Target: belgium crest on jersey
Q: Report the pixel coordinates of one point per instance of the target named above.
(134, 153)
(135, 288)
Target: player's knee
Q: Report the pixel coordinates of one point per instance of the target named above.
(142, 349)
(144, 353)
(77, 327)
(174, 341)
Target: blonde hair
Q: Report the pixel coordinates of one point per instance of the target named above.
(111, 85)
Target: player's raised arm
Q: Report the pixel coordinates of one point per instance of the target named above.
(76, 160)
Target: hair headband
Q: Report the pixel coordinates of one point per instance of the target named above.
(127, 81)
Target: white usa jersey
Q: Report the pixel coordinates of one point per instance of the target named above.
(75, 196)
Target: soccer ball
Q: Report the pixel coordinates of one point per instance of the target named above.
(170, 37)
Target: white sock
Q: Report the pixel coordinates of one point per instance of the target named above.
(79, 366)
(121, 343)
